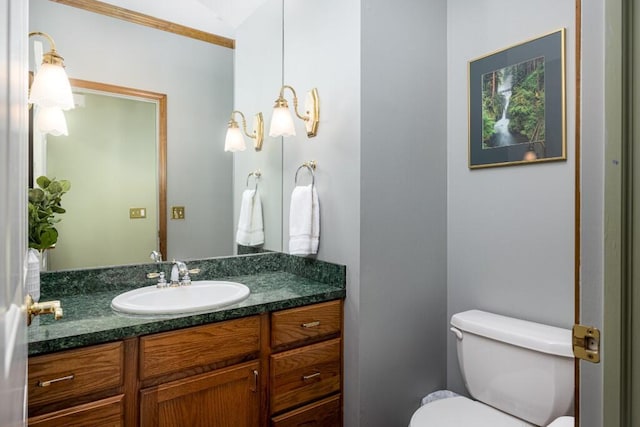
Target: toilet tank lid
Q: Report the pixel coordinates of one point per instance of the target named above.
(521, 333)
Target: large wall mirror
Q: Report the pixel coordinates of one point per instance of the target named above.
(203, 82)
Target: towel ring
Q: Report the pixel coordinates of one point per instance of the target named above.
(256, 174)
(311, 166)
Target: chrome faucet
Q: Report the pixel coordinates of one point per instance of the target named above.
(155, 256)
(178, 271)
(180, 274)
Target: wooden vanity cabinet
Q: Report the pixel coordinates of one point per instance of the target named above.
(306, 366)
(282, 369)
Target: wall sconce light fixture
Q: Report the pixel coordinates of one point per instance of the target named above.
(234, 141)
(51, 86)
(282, 121)
(50, 91)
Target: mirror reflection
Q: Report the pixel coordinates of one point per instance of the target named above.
(199, 81)
(114, 157)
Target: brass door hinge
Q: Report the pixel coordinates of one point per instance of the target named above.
(586, 343)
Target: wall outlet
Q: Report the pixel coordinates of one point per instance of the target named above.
(177, 212)
(137, 213)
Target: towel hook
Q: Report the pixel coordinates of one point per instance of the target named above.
(311, 166)
(256, 174)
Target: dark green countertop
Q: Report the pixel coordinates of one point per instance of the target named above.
(88, 318)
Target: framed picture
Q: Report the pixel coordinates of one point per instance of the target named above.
(517, 104)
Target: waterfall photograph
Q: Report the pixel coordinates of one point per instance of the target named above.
(513, 105)
(517, 104)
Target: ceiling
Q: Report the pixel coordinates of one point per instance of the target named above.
(219, 17)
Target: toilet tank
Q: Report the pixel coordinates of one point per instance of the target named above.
(519, 367)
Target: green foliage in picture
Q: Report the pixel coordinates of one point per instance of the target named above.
(526, 109)
(44, 204)
(513, 104)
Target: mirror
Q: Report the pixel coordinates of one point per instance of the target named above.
(199, 79)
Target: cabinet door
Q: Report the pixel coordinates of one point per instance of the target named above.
(225, 398)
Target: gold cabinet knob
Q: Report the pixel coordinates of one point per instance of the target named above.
(36, 308)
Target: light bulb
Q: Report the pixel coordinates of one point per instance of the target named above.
(51, 88)
(234, 140)
(281, 122)
(51, 120)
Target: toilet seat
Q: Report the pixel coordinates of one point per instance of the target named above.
(461, 411)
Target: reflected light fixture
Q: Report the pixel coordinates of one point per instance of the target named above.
(530, 155)
(51, 120)
(282, 121)
(51, 86)
(234, 141)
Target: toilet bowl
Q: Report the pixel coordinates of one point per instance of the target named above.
(461, 411)
(518, 373)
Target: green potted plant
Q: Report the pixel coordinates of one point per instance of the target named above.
(44, 204)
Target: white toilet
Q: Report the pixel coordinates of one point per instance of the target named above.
(519, 372)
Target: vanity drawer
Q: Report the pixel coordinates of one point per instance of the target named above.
(176, 351)
(102, 413)
(325, 413)
(75, 373)
(301, 324)
(304, 374)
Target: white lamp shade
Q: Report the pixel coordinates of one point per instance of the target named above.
(281, 123)
(234, 140)
(51, 88)
(51, 120)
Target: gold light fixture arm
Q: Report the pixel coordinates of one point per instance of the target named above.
(51, 57)
(312, 108)
(258, 132)
(295, 101)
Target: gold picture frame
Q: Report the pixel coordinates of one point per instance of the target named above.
(517, 105)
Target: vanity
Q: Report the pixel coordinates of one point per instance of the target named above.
(272, 359)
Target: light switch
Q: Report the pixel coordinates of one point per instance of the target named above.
(137, 213)
(177, 212)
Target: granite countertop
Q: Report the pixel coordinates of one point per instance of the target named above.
(277, 281)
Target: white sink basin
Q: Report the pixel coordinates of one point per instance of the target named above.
(201, 295)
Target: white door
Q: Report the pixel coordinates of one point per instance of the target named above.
(610, 211)
(13, 185)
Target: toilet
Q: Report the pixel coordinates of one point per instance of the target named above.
(519, 373)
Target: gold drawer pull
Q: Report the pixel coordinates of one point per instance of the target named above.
(57, 380)
(310, 377)
(311, 324)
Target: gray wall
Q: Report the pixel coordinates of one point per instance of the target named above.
(510, 229)
(198, 80)
(257, 80)
(403, 208)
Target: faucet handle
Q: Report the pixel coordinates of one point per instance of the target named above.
(162, 282)
(186, 280)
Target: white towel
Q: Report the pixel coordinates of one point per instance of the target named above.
(250, 226)
(304, 221)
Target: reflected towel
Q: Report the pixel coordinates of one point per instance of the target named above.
(250, 225)
(304, 221)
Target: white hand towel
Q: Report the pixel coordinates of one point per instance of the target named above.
(250, 225)
(304, 221)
